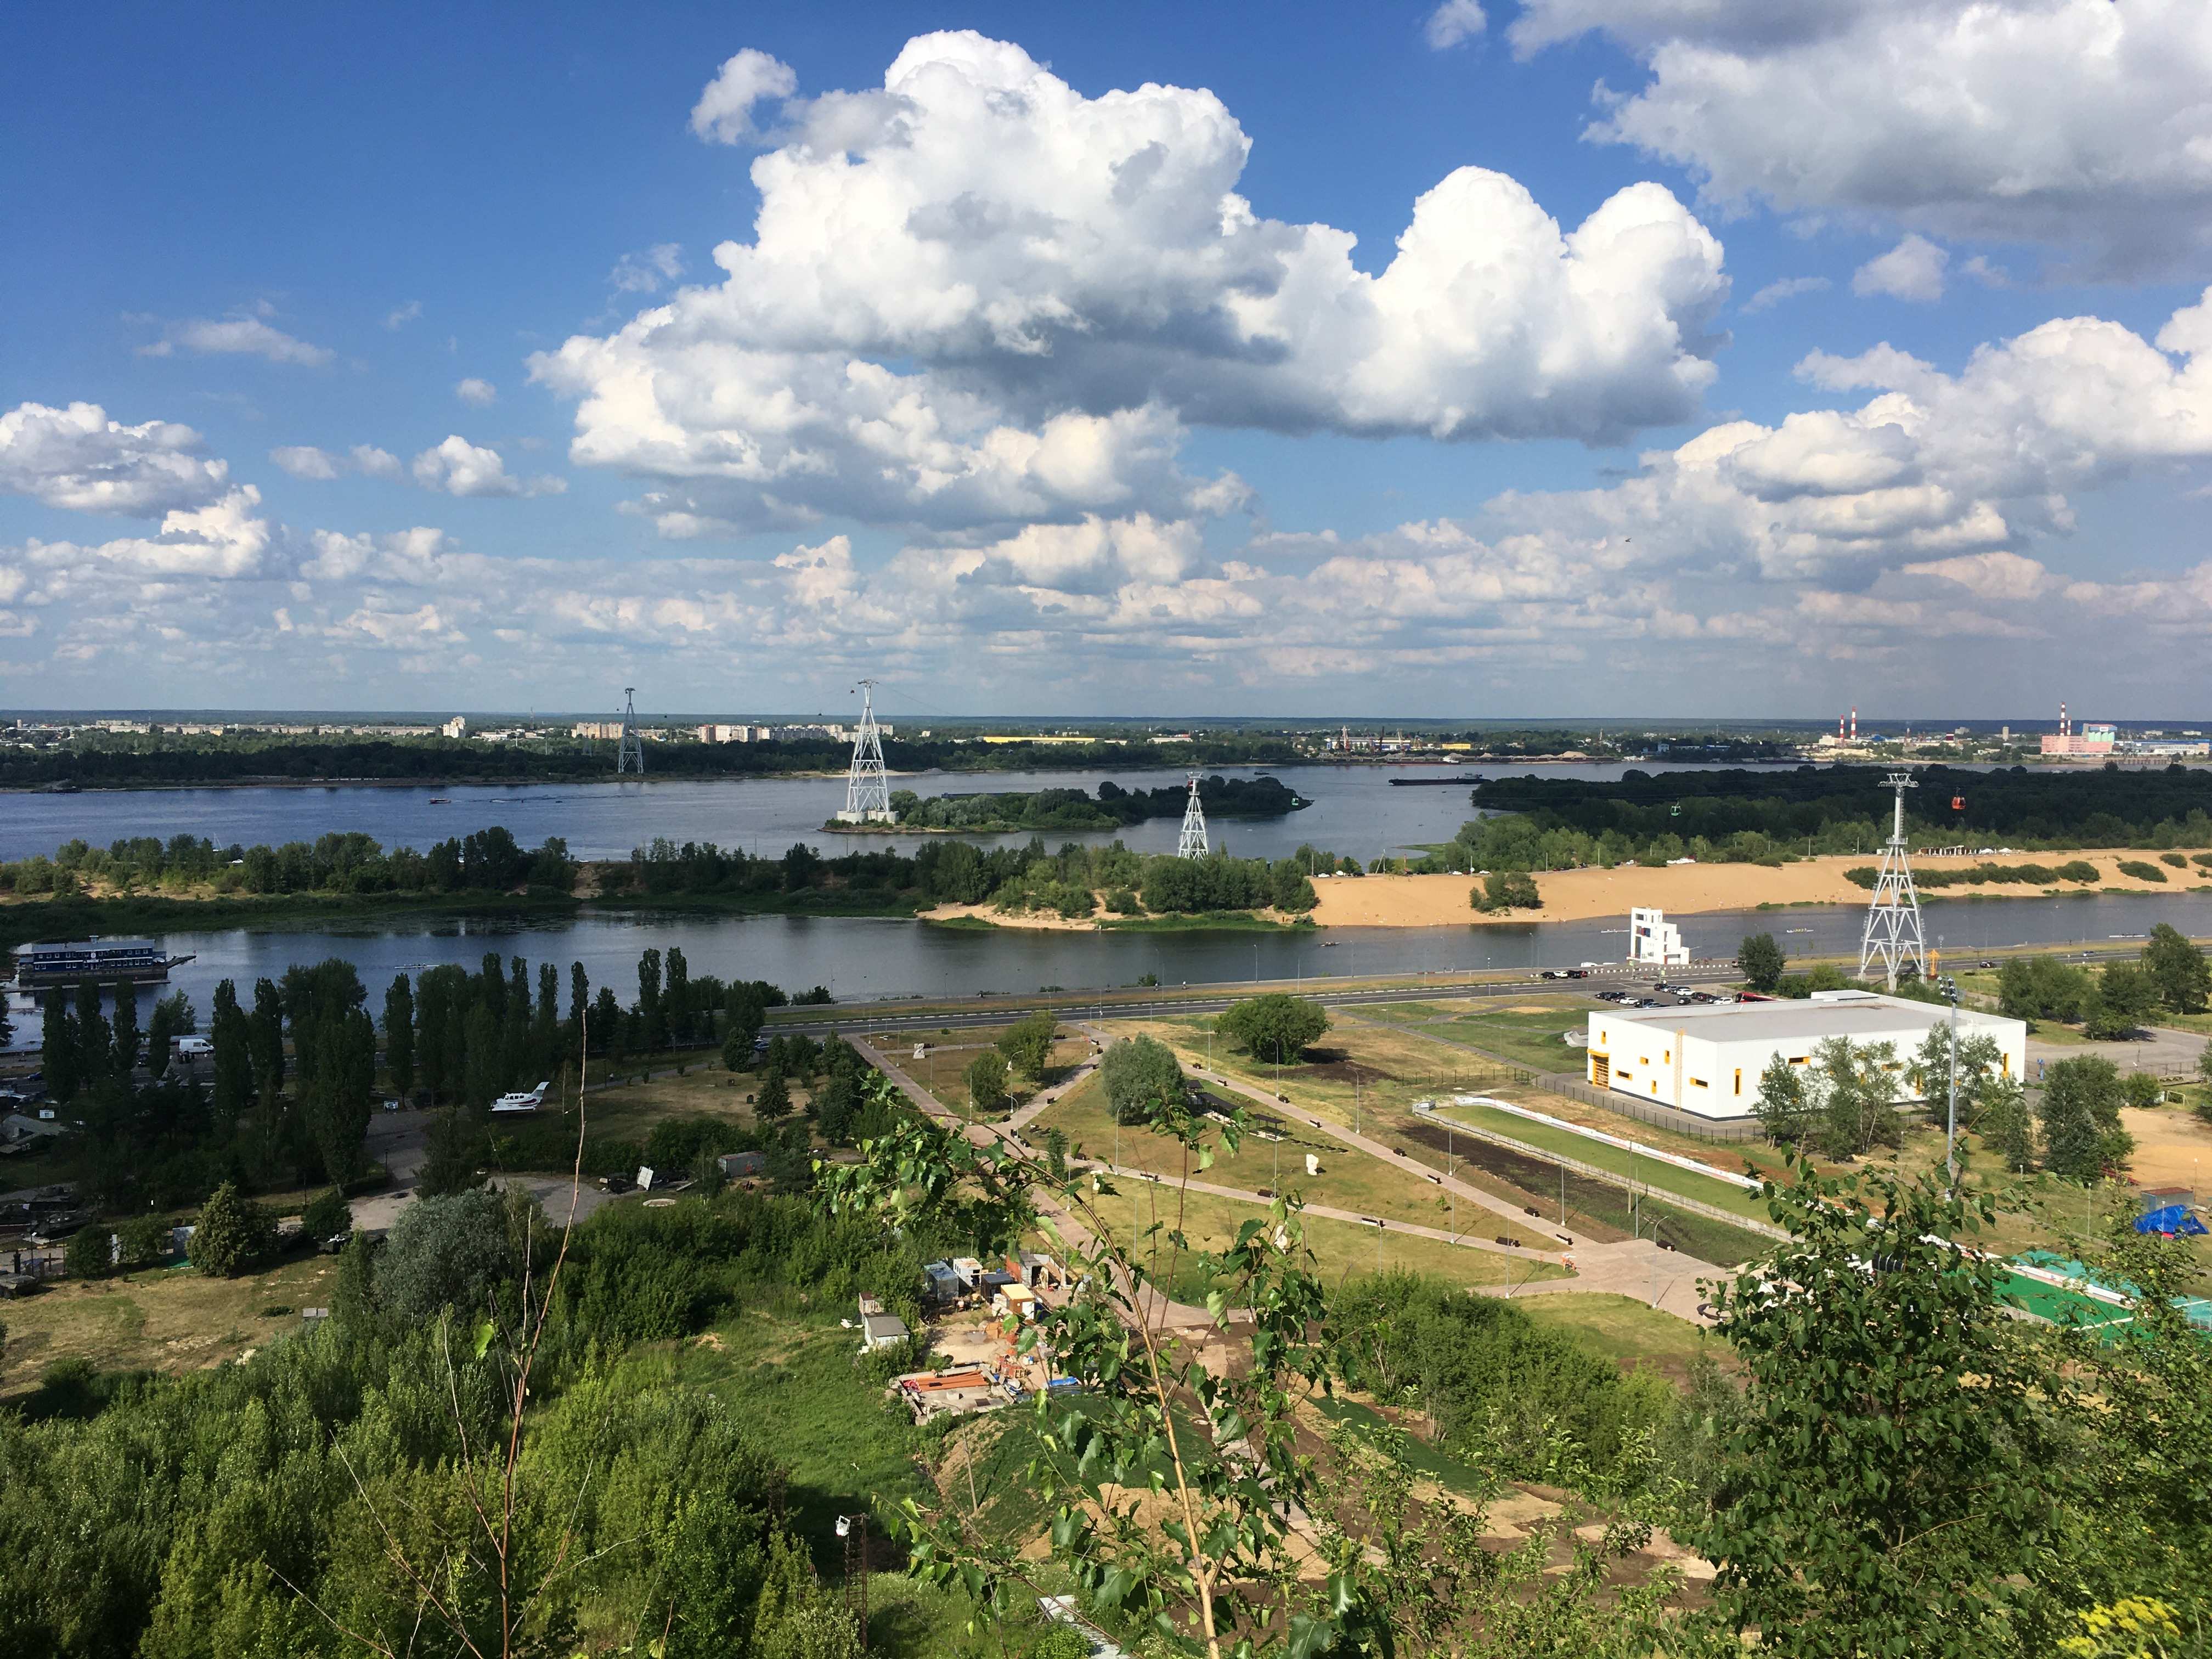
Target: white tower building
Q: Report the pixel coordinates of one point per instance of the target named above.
(1192, 843)
(867, 796)
(1893, 935)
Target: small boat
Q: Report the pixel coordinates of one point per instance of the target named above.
(441, 800)
(1421, 783)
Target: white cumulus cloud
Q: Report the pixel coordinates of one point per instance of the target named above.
(481, 394)
(1788, 288)
(2082, 125)
(1454, 21)
(77, 458)
(959, 281)
(648, 271)
(1913, 270)
(457, 467)
(724, 113)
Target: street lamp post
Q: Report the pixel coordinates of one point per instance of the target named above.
(1950, 989)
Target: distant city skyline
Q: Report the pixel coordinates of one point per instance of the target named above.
(1528, 356)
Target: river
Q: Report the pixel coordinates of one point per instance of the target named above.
(862, 959)
(1357, 810)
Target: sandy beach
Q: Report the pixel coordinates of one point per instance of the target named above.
(1685, 890)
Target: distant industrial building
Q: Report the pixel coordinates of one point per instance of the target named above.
(1706, 1060)
(607, 731)
(456, 727)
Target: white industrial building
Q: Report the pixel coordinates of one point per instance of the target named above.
(1654, 941)
(1706, 1059)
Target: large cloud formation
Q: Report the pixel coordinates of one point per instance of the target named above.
(2082, 125)
(976, 296)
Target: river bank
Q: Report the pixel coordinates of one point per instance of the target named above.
(1694, 889)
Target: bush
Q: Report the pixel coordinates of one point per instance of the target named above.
(986, 1082)
(2173, 859)
(2140, 870)
(445, 1252)
(1506, 889)
(233, 1234)
(90, 1252)
(327, 1215)
(2078, 870)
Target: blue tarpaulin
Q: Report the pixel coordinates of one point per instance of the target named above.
(2178, 1218)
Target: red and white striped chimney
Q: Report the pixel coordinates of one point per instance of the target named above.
(1855, 725)
(2063, 728)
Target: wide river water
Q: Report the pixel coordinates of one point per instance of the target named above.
(1356, 812)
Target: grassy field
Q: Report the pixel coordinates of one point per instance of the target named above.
(1625, 1331)
(943, 1070)
(1349, 1180)
(705, 1091)
(1526, 1033)
(1341, 1249)
(164, 1320)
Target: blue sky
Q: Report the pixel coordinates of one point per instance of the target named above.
(379, 357)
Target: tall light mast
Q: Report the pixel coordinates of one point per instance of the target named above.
(629, 754)
(1192, 843)
(1892, 927)
(867, 795)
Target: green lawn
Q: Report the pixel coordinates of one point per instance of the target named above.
(1341, 1249)
(1349, 1180)
(1627, 1331)
(1516, 1030)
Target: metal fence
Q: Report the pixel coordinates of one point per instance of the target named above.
(1650, 1111)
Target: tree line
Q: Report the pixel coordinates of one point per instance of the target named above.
(1838, 809)
(1012, 879)
(485, 861)
(112, 761)
(1110, 807)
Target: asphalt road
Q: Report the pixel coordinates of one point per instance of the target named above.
(1000, 1012)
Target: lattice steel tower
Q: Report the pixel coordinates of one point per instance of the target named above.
(630, 756)
(867, 796)
(1893, 937)
(1191, 844)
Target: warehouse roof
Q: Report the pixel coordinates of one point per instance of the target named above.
(1826, 1014)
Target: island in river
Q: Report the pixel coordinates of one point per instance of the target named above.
(1067, 811)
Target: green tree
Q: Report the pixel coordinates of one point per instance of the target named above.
(95, 1041)
(1887, 1490)
(2125, 997)
(59, 1056)
(986, 1082)
(266, 1034)
(1276, 1027)
(652, 1012)
(1761, 961)
(1506, 889)
(1027, 1044)
(1930, 1068)
(1142, 1077)
(172, 1017)
(399, 1035)
(327, 1215)
(232, 1095)
(90, 1252)
(483, 1077)
(2001, 1118)
(454, 1154)
(127, 1044)
(1856, 1087)
(2177, 969)
(772, 1100)
(2081, 1133)
(451, 1251)
(1786, 1115)
(233, 1235)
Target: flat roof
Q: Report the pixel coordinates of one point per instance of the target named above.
(1784, 1020)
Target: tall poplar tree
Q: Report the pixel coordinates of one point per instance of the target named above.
(399, 1035)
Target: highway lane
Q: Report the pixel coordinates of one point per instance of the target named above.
(1212, 1000)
